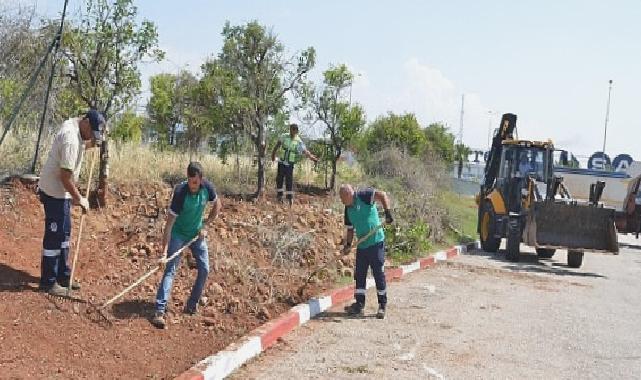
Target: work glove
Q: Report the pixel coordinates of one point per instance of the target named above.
(388, 217)
(84, 204)
(162, 262)
(347, 248)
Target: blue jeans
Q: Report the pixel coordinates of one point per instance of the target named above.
(201, 255)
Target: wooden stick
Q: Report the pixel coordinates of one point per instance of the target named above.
(368, 235)
(82, 223)
(146, 275)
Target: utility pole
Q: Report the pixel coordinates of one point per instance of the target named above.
(607, 118)
(460, 132)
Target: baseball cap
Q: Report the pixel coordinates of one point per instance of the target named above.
(97, 122)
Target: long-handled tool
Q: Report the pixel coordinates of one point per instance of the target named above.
(82, 223)
(142, 278)
(368, 235)
(358, 242)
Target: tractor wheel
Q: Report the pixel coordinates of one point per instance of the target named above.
(487, 223)
(513, 246)
(575, 258)
(545, 253)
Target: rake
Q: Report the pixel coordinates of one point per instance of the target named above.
(141, 279)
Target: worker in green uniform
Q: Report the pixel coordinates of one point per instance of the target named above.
(292, 148)
(184, 223)
(361, 218)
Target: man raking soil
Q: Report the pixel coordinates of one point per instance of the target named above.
(361, 217)
(57, 191)
(184, 223)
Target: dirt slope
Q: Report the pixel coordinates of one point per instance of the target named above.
(260, 257)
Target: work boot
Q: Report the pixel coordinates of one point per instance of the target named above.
(380, 314)
(355, 309)
(190, 310)
(74, 286)
(57, 290)
(159, 320)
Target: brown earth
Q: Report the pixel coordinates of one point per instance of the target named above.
(261, 255)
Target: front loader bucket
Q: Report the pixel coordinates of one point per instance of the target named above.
(572, 226)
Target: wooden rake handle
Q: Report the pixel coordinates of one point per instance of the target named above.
(145, 276)
(82, 223)
(369, 234)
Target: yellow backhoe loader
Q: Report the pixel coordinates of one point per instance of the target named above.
(522, 201)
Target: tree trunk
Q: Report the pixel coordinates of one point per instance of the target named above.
(104, 173)
(260, 148)
(332, 180)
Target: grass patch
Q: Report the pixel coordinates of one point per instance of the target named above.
(345, 280)
(462, 213)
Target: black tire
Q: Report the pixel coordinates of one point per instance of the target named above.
(489, 242)
(513, 246)
(575, 258)
(545, 253)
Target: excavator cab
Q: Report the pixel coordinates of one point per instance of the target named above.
(522, 201)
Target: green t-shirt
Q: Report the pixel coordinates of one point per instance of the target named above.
(188, 208)
(362, 216)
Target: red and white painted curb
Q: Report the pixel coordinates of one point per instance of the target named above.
(223, 363)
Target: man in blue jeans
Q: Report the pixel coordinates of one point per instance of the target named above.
(184, 223)
(361, 218)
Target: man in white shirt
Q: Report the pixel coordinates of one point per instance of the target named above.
(57, 190)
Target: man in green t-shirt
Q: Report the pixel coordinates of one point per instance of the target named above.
(361, 217)
(184, 223)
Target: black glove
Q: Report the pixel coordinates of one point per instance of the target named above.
(388, 217)
(347, 248)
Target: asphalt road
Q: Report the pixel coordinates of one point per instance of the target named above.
(481, 317)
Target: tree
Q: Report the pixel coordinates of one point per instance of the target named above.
(24, 44)
(342, 120)
(254, 79)
(170, 97)
(441, 141)
(127, 127)
(401, 131)
(103, 51)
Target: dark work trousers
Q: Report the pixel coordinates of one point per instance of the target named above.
(55, 243)
(374, 257)
(285, 173)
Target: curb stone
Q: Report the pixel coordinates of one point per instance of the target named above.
(225, 362)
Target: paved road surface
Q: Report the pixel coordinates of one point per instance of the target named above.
(482, 317)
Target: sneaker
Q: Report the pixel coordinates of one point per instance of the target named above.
(190, 310)
(159, 320)
(380, 314)
(355, 309)
(58, 291)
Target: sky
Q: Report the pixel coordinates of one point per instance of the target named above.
(549, 62)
